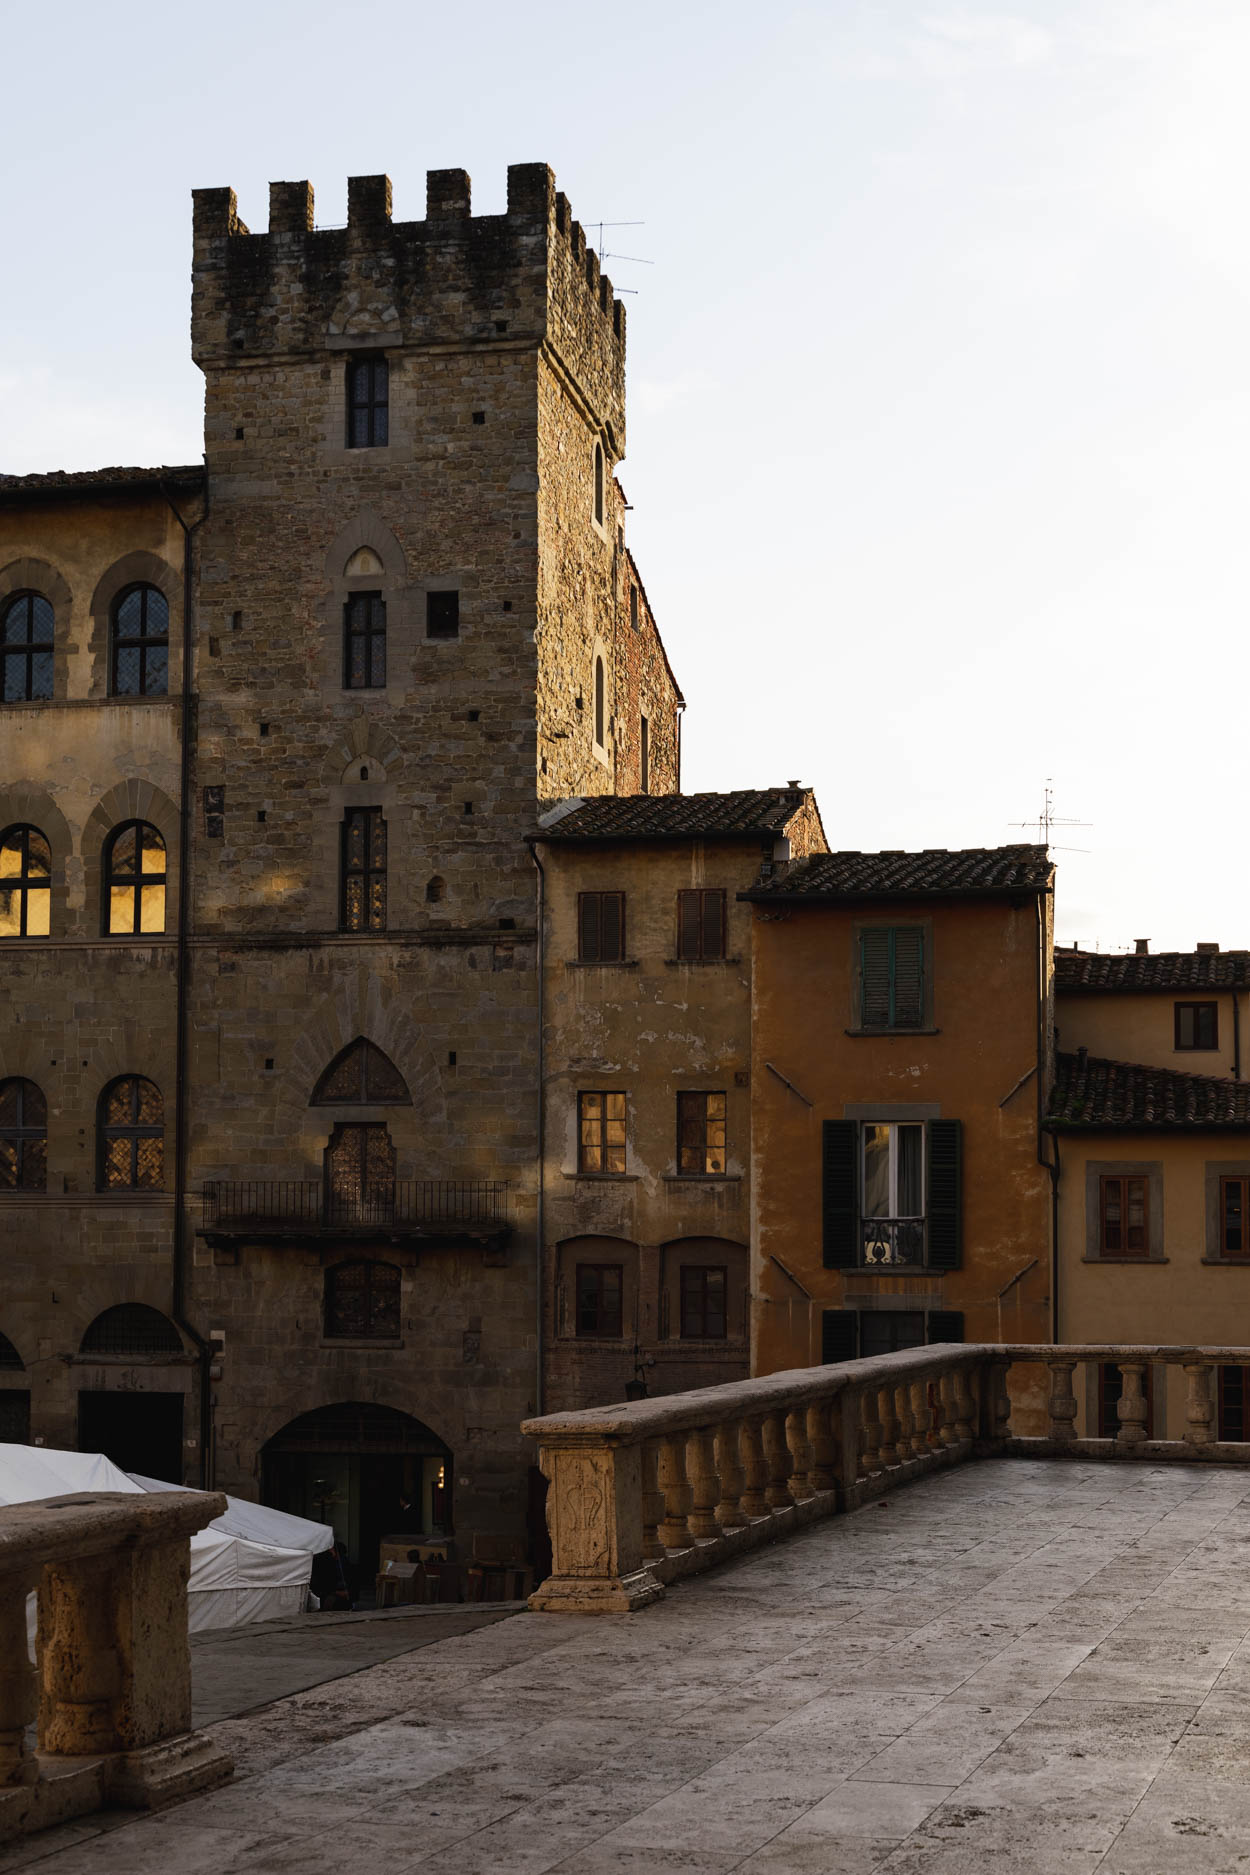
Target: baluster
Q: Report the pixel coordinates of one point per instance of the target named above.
(705, 1483)
(947, 1432)
(1131, 1409)
(1199, 1412)
(800, 1448)
(1062, 1402)
(870, 1432)
(891, 1458)
(675, 1530)
(906, 1423)
(652, 1501)
(965, 1407)
(729, 1513)
(777, 1459)
(19, 1688)
(755, 1468)
(824, 1444)
(996, 1402)
(921, 1418)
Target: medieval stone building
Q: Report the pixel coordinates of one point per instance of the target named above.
(274, 731)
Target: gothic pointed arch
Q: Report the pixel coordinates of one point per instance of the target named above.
(361, 1075)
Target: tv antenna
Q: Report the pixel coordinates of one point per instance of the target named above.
(604, 253)
(1047, 820)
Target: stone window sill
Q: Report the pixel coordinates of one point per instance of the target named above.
(699, 963)
(601, 963)
(908, 1031)
(702, 1178)
(1134, 1263)
(359, 1341)
(603, 1178)
(1226, 1263)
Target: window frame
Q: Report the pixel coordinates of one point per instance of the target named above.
(135, 883)
(599, 492)
(1209, 1006)
(594, 1273)
(893, 1025)
(591, 948)
(1241, 1181)
(686, 1100)
(28, 648)
(685, 1311)
(333, 1329)
(599, 704)
(1124, 1253)
(133, 1130)
(375, 408)
(442, 631)
(592, 1133)
(367, 872)
(894, 1237)
(22, 1135)
(372, 634)
(702, 954)
(24, 881)
(143, 641)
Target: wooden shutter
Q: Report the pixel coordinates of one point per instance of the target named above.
(908, 1010)
(713, 924)
(874, 979)
(944, 1194)
(840, 1193)
(689, 923)
(946, 1325)
(612, 926)
(588, 927)
(839, 1335)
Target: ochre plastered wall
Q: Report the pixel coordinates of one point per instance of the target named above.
(1123, 1026)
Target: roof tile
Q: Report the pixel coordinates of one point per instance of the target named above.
(746, 813)
(1127, 1096)
(932, 873)
(1166, 970)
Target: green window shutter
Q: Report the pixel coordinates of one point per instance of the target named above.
(944, 1194)
(874, 979)
(908, 973)
(946, 1325)
(840, 1194)
(839, 1335)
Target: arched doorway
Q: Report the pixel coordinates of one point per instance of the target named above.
(132, 1413)
(371, 1471)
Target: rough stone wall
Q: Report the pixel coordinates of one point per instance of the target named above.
(649, 1027)
(645, 687)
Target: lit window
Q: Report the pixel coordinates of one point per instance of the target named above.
(134, 881)
(892, 1205)
(26, 643)
(601, 1132)
(363, 905)
(140, 643)
(700, 1135)
(132, 1136)
(23, 1137)
(25, 883)
(368, 415)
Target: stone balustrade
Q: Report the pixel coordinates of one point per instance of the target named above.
(110, 1689)
(644, 1493)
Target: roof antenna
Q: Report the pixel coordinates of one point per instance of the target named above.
(604, 253)
(1048, 819)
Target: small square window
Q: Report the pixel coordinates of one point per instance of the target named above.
(1197, 1025)
(442, 614)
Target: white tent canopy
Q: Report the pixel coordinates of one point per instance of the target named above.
(252, 1564)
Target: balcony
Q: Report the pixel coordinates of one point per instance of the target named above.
(450, 1213)
(892, 1242)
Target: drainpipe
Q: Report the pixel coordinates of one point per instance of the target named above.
(1236, 1038)
(678, 714)
(542, 1102)
(1050, 1159)
(203, 1348)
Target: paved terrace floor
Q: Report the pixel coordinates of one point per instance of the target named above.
(1010, 1666)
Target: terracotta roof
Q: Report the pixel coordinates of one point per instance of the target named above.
(1168, 970)
(747, 814)
(1128, 1097)
(99, 481)
(979, 870)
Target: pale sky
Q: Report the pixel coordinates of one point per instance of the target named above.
(938, 402)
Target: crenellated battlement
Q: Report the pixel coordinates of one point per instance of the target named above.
(452, 280)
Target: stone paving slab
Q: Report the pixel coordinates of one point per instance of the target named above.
(1016, 1666)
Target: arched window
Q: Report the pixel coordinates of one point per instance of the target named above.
(132, 1136)
(10, 1360)
(26, 642)
(435, 890)
(140, 660)
(360, 1075)
(599, 483)
(131, 1328)
(23, 1137)
(362, 1301)
(600, 719)
(363, 883)
(134, 880)
(25, 883)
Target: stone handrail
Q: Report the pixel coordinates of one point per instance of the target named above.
(644, 1493)
(111, 1687)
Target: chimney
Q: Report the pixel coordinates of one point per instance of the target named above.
(1082, 1056)
(1207, 950)
(1141, 947)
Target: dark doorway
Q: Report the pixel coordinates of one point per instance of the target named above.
(138, 1431)
(369, 1470)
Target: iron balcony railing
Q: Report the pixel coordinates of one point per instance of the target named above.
(892, 1240)
(425, 1205)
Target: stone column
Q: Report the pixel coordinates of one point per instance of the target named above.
(1062, 1401)
(1131, 1407)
